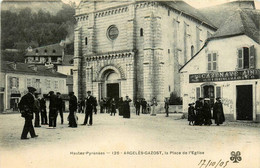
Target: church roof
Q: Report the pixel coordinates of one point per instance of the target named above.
(188, 10)
(242, 21)
(219, 13)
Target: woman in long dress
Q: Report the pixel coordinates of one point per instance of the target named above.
(126, 113)
(218, 113)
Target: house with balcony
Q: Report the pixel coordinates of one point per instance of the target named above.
(45, 55)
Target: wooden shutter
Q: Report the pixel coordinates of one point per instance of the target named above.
(214, 61)
(17, 82)
(209, 62)
(251, 57)
(218, 91)
(198, 92)
(240, 58)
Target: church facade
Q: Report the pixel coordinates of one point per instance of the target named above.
(135, 48)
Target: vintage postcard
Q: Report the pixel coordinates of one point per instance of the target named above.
(130, 84)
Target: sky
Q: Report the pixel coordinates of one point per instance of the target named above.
(196, 3)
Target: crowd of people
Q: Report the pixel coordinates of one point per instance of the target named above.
(201, 114)
(32, 106)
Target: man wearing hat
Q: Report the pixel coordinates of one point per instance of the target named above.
(89, 103)
(27, 108)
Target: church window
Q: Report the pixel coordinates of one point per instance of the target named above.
(169, 12)
(45, 50)
(53, 51)
(86, 41)
(112, 32)
(212, 61)
(169, 51)
(192, 51)
(141, 32)
(36, 51)
(246, 57)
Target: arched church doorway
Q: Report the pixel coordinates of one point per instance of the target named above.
(110, 84)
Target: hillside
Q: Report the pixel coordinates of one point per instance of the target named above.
(29, 27)
(51, 6)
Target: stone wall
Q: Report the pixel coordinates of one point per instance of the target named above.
(152, 69)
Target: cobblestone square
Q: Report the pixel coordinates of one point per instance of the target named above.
(141, 141)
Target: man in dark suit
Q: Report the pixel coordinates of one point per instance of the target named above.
(89, 103)
(59, 106)
(144, 105)
(52, 110)
(137, 106)
(43, 111)
(27, 108)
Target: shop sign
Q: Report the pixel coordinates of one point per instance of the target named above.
(225, 76)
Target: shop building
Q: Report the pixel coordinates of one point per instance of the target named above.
(228, 66)
(16, 77)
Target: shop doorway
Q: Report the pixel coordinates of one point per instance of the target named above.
(113, 90)
(244, 103)
(209, 93)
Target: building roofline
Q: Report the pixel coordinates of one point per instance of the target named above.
(211, 39)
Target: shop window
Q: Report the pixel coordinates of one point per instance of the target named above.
(218, 91)
(198, 93)
(86, 41)
(212, 61)
(141, 32)
(246, 58)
